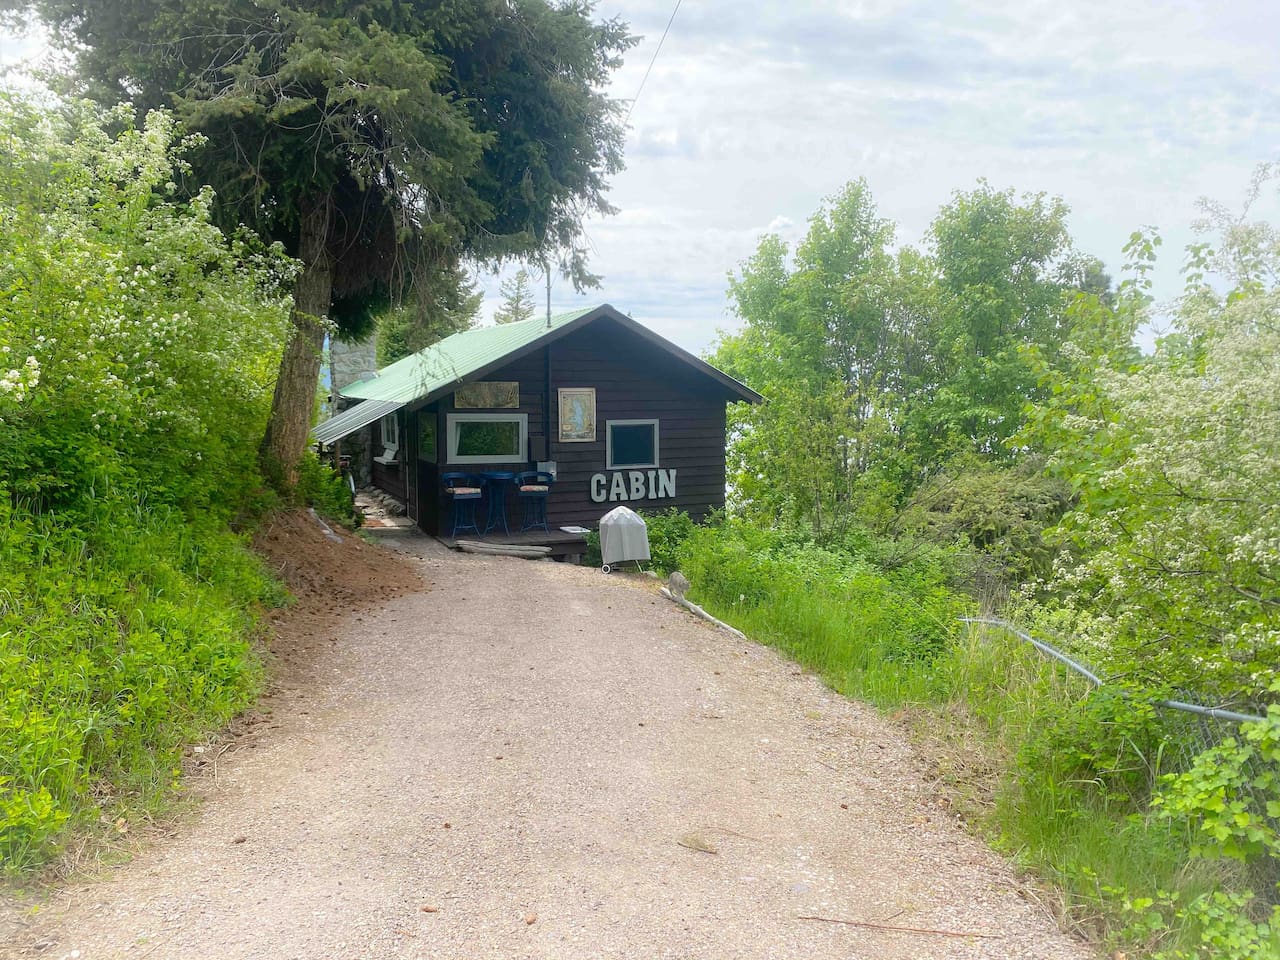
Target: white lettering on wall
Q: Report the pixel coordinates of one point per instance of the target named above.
(633, 485)
(618, 488)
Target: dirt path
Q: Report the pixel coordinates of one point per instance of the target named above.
(537, 742)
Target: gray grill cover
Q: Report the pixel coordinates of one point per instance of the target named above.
(623, 536)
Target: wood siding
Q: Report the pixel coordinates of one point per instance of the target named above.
(633, 380)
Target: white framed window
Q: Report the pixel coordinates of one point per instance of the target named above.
(390, 433)
(488, 437)
(631, 443)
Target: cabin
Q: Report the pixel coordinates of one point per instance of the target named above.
(612, 411)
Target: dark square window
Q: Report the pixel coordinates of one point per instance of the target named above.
(632, 443)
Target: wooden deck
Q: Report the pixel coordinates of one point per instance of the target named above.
(563, 545)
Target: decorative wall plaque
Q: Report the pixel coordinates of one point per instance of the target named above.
(488, 395)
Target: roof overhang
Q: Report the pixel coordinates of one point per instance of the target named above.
(352, 419)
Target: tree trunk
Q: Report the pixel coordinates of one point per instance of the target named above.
(295, 393)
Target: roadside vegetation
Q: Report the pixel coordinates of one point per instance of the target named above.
(968, 429)
(170, 272)
(137, 346)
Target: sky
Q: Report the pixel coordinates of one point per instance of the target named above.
(755, 112)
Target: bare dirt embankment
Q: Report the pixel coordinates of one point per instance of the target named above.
(331, 581)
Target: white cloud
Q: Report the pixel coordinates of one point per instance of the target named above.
(755, 112)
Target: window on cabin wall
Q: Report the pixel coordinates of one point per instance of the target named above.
(427, 436)
(631, 443)
(488, 437)
(390, 432)
(389, 426)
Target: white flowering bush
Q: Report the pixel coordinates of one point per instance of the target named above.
(18, 380)
(137, 347)
(142, 341)
(1169, 578)
(1173, 566)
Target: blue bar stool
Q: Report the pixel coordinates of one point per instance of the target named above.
(464, 490)
(495, 482)
(534, 488)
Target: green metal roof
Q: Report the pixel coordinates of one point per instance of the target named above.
(442, 367)
(454, 359)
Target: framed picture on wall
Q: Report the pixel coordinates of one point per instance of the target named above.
(577, 414)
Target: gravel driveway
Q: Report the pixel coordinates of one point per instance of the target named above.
(535, 760)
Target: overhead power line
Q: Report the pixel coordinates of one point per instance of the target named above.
(636, 98)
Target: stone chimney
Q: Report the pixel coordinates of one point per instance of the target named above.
(348, 363)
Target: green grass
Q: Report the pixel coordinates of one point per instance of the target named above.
(868, 633)
(124, 634)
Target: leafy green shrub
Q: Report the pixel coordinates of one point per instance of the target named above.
(1105, 745)
(1231, 794)
(1000, 511)
(322, 487)
(592, 557)
(668, 530)
(1228, 801)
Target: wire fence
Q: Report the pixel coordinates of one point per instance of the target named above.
(1186, 729)
(1185, 706)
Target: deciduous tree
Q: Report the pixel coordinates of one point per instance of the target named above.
(882, 366)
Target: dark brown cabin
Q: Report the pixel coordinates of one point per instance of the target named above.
(642, 422)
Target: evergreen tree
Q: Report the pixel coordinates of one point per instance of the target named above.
(376, 141)
(517, 299)
(428, 317)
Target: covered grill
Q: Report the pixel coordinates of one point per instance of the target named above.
(623, 536)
